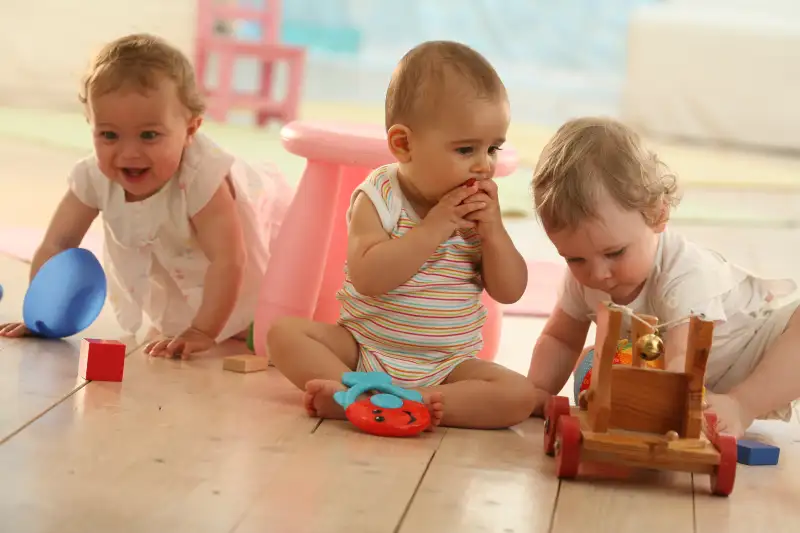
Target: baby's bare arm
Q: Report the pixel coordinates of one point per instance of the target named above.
(504, 271)
(377, 263)
(68, 226)
(556, 352)
(220, 235)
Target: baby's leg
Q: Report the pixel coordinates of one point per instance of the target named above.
(483, 395)
(313, 356)
(774, 383)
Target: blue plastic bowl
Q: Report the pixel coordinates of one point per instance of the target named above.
(66, 295)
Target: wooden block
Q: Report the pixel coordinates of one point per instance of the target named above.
(101, 360)
(755, 453)
(245, 363)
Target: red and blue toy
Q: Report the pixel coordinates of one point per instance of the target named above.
(392, 412)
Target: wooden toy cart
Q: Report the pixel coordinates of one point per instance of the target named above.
(642, 417)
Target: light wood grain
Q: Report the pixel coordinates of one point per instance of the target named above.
(342, 480)
(177, 446)
(487, 481)
(35, 374)
(617, 500)
(764, 498)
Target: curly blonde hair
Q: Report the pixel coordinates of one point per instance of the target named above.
(593, 154)
(142, 60)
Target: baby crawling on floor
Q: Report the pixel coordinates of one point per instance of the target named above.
(425, 238)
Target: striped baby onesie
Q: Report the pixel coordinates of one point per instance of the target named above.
(424, 328)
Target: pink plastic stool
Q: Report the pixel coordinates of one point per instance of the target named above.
(307, 266)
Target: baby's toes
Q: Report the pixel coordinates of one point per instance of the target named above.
(436, 407)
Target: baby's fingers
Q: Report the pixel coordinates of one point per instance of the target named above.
(178, 348)
(20, 330)
(459, 194)
(157, 348)
(13, 330)
(465, 209)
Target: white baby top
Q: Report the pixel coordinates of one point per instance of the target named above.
(688, 278)
(152, 259)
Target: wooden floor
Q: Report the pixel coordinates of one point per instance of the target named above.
(186, 447)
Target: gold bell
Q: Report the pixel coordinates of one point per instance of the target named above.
(650, 346)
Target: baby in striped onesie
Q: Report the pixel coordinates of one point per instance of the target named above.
(425, 239)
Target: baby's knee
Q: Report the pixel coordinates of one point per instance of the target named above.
(283, 333)
(521, 400)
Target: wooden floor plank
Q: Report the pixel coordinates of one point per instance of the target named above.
(614, 500)
(764, 498)
(177, 446)
(342, 480)
(486, 481)
(35, 374)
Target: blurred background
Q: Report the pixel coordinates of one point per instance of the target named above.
(712, 85)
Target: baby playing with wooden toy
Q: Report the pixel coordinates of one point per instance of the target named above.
(604, 202)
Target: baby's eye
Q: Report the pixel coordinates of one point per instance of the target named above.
(149, 135)
(108, 135)
(464, 150)
(494, 149)
(616, 253)
(574, 259)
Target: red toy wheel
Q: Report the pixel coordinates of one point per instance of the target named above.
(556, 406)
(725, 474)
(568, 446)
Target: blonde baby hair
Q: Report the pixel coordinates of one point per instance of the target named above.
(587, 155)
(418, 82)
(142, 60)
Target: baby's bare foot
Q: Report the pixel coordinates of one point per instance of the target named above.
(435, 403)
(319, 401)
(731, 417)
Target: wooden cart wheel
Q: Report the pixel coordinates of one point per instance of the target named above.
(556, 406)
(568, 446)
(725, 473)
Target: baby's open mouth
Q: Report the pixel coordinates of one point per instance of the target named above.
(134, 173)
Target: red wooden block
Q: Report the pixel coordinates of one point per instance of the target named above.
(102, 360)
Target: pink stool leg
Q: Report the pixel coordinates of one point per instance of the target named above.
(292, 282)
(327, 304)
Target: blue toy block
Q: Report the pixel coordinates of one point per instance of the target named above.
(757, 453)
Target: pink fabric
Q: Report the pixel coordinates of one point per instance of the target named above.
(273, 203)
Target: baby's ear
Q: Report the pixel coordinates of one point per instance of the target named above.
(399, 139)
(195, 124)
(192, 127)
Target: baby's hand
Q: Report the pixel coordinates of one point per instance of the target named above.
(14, 329)
(184, 345)
(450, 212)
(487, 219)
